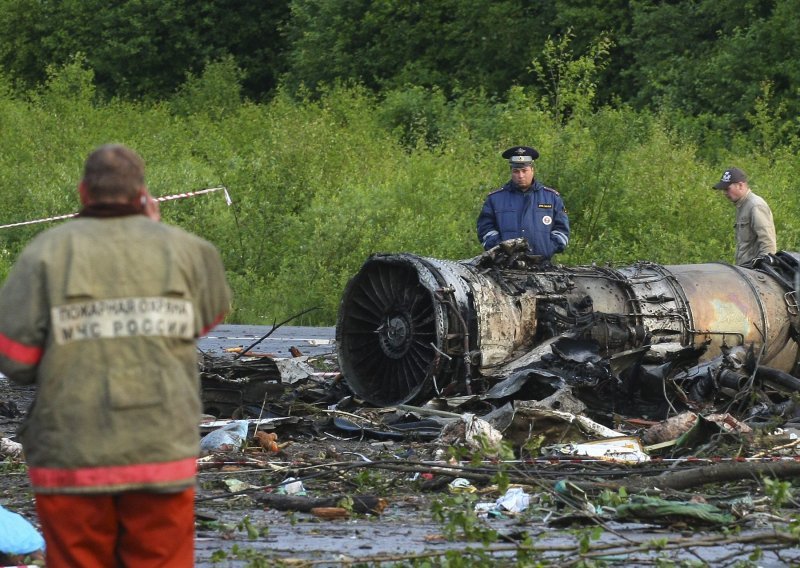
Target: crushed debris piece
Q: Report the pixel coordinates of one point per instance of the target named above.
(461, 485)
(237, 485)
(294, 370)
(10, 448)
(208, 426)
(361, 504)
(330, 512)
(230, 437)
(267, 441)
(291, 486)
(659, 510)
(480, 435)
(625, 449)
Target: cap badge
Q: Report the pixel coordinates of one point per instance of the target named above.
(726, 177)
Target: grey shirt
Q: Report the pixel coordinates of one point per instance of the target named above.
(755, 229)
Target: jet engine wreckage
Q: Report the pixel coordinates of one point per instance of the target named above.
(647, 340)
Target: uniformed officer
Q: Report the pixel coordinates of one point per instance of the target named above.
(524, 207)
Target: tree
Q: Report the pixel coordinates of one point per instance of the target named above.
(143, 48)
(569, 81)
(713, 56)
(588, 22)
(385, 44)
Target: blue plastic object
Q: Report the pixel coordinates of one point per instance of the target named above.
(17, 535)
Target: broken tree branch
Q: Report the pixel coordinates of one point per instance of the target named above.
(272, 330)
(714, 473)
(361, 503)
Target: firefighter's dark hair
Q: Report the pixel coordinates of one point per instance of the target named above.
(113, 172)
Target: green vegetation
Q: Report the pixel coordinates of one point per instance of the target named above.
(252, 558)
(319, 184)
(706, 59)
(339, 141)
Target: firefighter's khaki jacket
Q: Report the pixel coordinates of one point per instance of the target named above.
(102, 315)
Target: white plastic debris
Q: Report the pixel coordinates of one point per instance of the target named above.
(515, 500)
(291, 486)
(484, 508)
(461, 485)
(229, 438)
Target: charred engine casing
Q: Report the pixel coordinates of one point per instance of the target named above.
(410, 328)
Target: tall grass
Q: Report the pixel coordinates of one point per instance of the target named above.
(319, 185)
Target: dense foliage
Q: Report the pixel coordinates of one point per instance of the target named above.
(319, 183)
(709, 60)
(142, 48)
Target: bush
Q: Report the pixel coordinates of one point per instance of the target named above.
(319, 185)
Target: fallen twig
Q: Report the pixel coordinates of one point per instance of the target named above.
(272, 330)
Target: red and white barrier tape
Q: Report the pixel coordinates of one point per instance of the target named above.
(162, 198)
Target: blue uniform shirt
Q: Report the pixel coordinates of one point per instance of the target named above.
(537, 214)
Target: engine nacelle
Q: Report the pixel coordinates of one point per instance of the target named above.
(410, 327)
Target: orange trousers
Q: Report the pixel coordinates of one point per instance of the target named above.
(132, 529)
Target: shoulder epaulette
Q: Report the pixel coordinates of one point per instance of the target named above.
(499, 189)
(551, 190)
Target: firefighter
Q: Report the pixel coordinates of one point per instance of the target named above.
(102, 314)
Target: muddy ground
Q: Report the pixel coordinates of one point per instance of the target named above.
(416, 516)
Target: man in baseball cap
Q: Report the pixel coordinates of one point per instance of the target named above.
(754, 227)
(730, 176)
